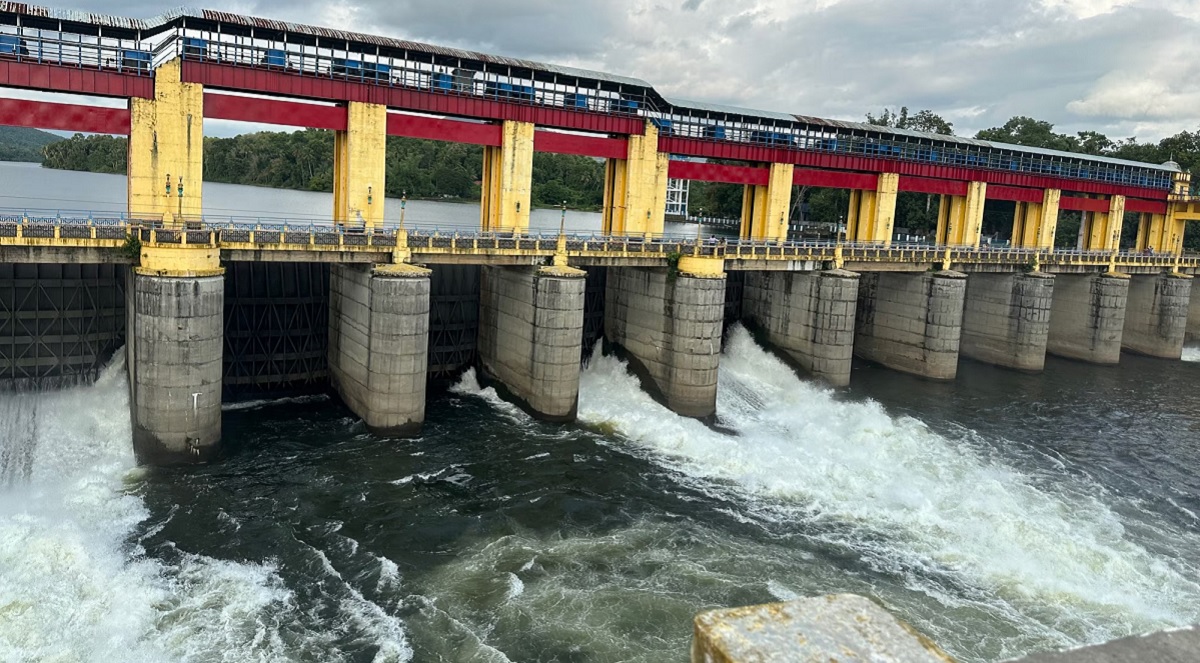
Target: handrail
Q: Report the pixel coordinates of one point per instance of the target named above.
(62, 223)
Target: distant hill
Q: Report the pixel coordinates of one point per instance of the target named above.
(21, 144)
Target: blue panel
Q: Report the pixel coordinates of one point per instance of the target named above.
(665, 127)
(578, 101)
(275, 58)
(771, 138)
(625, 106)
(193, 47)
(138, 60)
(443, 82)
(716, 132)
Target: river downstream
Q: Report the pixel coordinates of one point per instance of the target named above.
(1000, 514)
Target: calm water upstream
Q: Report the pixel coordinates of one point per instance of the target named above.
(29, 186)
(1001, 514)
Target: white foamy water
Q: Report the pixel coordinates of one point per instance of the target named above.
(911, 502)
(1191, 353)
(75, 584)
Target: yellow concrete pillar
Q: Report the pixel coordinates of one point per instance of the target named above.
(360, 166)
(166, 149)
(1034, 224)
(960, 218)
(1101, 231)
(507, 180)
(872, 214)
(635, 188)
(765, 209)
(1166, 232)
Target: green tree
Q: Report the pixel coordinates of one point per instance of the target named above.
(1027, 131)
(925, 121)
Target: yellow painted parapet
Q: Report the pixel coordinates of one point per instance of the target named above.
(765, 209)
(1034, 224)
(400, 270)
(635, 188)
(180, 261)
(166, 149)
(873, 213)
(702, 267)
(507, 178)
(360, 166)
(960, 218)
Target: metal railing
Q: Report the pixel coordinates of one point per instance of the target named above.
(65, 49)
(68, 228)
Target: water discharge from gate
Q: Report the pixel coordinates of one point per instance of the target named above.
(75, 580)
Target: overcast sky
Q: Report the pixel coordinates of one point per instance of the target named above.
(1125, 68)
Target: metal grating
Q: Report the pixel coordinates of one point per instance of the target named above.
(59, 324)
(593, 309)
(735, 286)
(453, 319)
(276, 328)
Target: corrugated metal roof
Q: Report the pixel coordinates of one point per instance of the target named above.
(730, 110)
(874, 128)
(167, 19)
(402, 44)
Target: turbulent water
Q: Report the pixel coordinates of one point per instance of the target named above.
(1002, 514)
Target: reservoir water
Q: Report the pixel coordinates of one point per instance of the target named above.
(1000, 514)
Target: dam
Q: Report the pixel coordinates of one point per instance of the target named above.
(504, 433)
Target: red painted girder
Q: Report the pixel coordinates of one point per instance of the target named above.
(588, 146)
(1145, 206)
(1072, 203)
(1015, 193)
(274, 111)
(715, 172)
(934, 186)
(757, 153)
(432, 128)
(63, 117)
(834, 179)
(57, 78)
(262, 81)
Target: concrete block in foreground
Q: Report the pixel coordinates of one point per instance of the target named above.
(840, 628)
(1178, 646)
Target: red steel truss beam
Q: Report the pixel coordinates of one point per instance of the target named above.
(433, 128)
(291, 84)
(834, 179)
(1145, 206)
(274, 111)
(63, 117)
(934, 186)
(715, 172)
(735, 151)
(588, 146)
(78, 80)
(1072, 203)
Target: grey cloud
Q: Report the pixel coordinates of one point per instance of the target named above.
(976, 61)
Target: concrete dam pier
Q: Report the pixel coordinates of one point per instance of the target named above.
(378, 335)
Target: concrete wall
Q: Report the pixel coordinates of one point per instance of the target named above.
(911, 322)
(531, 327)
(1193, 322)
(174, 356)
(1087, 317)
(808, 315)
(1006, 319)
(1156, 315)
(671, 328)
(378, 344)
